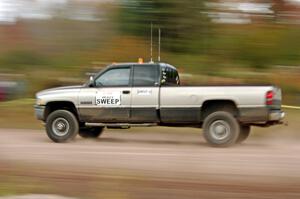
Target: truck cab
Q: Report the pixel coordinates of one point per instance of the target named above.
(126, 93)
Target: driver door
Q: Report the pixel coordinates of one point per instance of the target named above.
(110, 97)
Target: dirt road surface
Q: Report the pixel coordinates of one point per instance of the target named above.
(149, 164)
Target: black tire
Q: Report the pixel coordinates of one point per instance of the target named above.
(91, 132)
(221, 129)
(244, 134)
(62, 126)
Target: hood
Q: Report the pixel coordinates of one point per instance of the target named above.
(59, 89)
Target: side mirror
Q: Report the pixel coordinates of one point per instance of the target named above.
(91, 82)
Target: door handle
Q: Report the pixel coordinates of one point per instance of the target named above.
(126, 92)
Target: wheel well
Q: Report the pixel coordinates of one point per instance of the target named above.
(61, 105)
(210, 106)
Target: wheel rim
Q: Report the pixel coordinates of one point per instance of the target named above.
(60, 126)
(219, 129)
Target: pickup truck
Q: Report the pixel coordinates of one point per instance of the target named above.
(147, 94)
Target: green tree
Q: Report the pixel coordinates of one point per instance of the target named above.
(183, 23)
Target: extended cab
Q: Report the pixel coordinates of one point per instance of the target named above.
(132, 94)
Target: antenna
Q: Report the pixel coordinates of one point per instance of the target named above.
(151, 45)
(159, 33)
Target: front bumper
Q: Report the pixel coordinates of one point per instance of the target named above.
(39, 112)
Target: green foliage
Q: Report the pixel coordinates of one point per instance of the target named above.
(19, 59)
(187, 29)
(181, 22)
(55, 49)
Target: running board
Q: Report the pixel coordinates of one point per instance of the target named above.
(114, 125)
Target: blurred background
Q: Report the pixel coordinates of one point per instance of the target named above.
(48, 43)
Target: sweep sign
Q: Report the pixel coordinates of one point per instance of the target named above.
(108, 99)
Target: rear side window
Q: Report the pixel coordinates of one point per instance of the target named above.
(145, 75)
(170, 77)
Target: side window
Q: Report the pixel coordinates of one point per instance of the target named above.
(164, 76)
(145, 75)
(114, 77)
(170, 77)
(177, 78)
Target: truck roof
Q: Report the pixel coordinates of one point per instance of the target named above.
(146, 63)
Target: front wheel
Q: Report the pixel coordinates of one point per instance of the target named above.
(221, 129)
(61, 126)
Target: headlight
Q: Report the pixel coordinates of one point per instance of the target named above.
(40, 102)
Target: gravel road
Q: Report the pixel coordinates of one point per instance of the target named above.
(154, 164)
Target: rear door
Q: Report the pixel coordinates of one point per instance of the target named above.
(145, 93)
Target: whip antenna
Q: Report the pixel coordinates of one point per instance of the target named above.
(159, 33)
(151, 45)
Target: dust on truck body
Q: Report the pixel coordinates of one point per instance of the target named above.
(132, 94)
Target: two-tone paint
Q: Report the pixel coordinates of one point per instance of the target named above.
(163, 104)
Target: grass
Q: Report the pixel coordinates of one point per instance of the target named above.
(18, 186)
(18, 114)
(23, 179)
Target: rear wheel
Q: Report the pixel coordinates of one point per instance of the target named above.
(61, 126)
(244, 134)
(221, 129)
(91, 132)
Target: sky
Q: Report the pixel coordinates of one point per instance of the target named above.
(13, 10)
